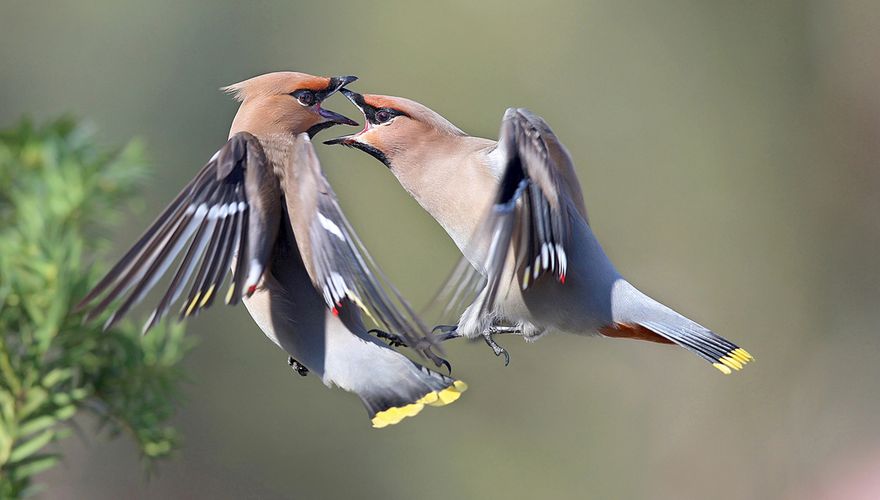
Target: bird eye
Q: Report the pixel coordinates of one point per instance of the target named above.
(305, 97)
(382, 116)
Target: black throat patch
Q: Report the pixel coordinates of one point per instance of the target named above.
(370, 150)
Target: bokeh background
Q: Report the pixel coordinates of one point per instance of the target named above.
(729, 156)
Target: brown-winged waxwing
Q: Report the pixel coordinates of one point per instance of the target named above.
(262, 214)
(514, 208)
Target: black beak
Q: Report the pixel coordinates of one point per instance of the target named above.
(332, 117)
(366, 109)
(336, 83)
(359, 101)
(336, 118)
(349, 140)
(355, 98)
(345, 140)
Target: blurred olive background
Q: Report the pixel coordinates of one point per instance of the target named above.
(729, 156)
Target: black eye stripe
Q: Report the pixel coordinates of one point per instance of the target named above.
(378, 116)
(382, 116)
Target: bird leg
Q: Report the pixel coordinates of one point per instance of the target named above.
(448, 332)
(394, 340)
(297, 366)
(423, 347)
(499, 329)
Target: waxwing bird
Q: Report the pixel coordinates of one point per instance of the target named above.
(261, 214)
(514, 208)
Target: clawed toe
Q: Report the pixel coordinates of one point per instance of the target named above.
(423, 346)
(298, 367)
(497, 349)
(444, 329)
(442, 333)
(438, 361)
(392, 339)
(426, 346)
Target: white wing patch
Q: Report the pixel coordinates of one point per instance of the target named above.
(330, 226)
(552, 257)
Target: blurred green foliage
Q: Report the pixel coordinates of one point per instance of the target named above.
(55, 183)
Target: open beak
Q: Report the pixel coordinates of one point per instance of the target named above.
(331, 117)
(352, 139)
(357, 100)
(336, 84)
(336, 118)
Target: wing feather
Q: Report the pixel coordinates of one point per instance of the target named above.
(211, 218)
(340, 267)
(529, 223)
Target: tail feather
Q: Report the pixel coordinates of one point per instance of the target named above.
(336, 347)
(389, 405)
(723, 354)
(632, 307)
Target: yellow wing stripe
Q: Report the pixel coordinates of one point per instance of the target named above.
(207, 296)
(192, 305)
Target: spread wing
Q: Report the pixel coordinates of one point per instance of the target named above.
(226, 218)
(528, 225)
(337, 262)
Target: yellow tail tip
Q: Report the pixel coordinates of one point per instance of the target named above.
(735, 360)
(742, 355)
(730, 362)
(722, 368)
(443, 397)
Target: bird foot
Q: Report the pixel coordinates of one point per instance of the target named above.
(425, 346)
(392, 339)
(442, 333)
(298, 367)
(497, 349)
(446, 332)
